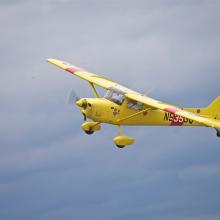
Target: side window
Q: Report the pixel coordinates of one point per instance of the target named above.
(108, 94)
(120, 99)
(115, 97)
(135, 105)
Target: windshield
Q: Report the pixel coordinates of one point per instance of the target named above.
(115, 96)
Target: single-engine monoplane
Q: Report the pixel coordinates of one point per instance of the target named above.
(122, 106)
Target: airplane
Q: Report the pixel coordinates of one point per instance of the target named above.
(121, 106)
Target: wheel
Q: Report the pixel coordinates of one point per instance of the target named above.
(123, 141)
(120, 146)
(89, 132)
(218, 133)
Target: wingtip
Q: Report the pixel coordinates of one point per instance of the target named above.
(49, 60)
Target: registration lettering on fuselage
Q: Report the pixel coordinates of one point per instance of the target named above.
(176, 119)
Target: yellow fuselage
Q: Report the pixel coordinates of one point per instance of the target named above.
(105, 111)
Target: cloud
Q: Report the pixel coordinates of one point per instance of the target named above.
(48, 168)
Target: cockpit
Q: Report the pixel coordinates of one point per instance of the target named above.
(115, 96)
(118, 97)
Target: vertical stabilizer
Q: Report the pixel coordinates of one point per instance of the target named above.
(214, 108)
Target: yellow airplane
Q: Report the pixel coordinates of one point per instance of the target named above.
(123, 106)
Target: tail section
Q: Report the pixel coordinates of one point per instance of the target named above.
(211, 113)
(214, 108)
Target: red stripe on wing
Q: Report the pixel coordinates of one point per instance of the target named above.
(73, 69)
(171, 110)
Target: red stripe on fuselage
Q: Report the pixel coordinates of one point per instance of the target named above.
(176, 120)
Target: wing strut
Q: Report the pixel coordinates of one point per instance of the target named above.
(133, 115)
(94, 90)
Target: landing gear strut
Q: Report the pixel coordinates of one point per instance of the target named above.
(84, 117)
(115, 139)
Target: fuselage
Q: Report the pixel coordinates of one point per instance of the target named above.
(105, 111)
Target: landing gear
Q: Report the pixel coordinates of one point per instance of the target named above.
(89, 132)
(122, 141)
(90, 127)
(120, 146)
(84, 117)
(218, 132)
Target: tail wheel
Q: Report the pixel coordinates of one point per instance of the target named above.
(217, 132)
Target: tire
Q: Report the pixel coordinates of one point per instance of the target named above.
(120, 146)
(89, 132)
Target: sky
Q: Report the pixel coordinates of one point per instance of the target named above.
(51, 170)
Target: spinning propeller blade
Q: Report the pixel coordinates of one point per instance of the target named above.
(72, 97)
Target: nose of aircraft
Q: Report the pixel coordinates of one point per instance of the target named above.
(79, 103)
(82, 103)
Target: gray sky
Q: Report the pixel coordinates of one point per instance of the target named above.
(48, 168)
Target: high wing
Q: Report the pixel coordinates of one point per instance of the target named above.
(90, 77)
(155, 104)
(151, 103)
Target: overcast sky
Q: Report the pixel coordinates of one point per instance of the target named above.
(49, 169)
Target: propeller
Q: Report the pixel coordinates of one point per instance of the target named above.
(73, 98)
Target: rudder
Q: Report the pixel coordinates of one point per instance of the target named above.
(214, 108)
